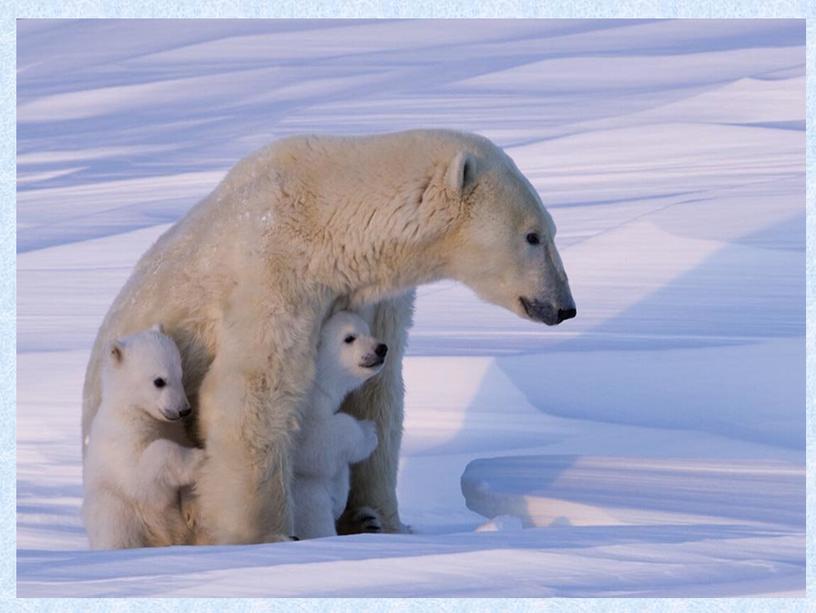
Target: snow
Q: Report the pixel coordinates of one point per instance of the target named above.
(653, 446)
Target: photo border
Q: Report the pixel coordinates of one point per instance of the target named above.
(596, 9)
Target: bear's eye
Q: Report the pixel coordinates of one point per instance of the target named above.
(159, 382)
(532, 238)
(349, 339)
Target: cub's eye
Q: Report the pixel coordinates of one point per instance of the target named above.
(532, 238)
(349, 339)
(159, 382)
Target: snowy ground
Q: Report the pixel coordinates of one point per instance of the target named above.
(652, 446)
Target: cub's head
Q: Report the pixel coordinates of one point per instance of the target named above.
(504, 244)
(144, 370)
(347, 354)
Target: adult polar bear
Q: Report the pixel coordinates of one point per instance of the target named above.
(244, 280)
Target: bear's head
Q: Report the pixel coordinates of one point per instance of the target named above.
(503, 245)
(144, 372)
(347, 354)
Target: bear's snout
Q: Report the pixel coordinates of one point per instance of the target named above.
(566, 314)
(381, 350)
(546, 312)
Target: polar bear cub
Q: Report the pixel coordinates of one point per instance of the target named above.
(138, 456)
(329, 441)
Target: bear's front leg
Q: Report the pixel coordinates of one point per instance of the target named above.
(374, 481)
(248, 407)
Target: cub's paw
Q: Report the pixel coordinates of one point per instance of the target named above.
(196, 457)
(370, 439)
(193, 461)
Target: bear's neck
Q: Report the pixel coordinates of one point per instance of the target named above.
(362, 218)
(363, 240)
(379, 274)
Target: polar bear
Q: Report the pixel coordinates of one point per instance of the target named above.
(328, 441)
(136, 461)
(307, 224)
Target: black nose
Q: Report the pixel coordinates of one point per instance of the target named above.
(381, 350)
(566, 314)
(185, 412)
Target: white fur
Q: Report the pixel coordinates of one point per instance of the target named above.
(135, 463)
(245, 279)
(329, 441)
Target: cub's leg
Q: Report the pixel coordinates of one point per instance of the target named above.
(111, 522)
(313, 509)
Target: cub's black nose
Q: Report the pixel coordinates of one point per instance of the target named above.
(566, 314)
(185, 412)
(381, 350)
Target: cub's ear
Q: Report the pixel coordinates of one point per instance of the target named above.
(158, 328)
(461, 172)
(117, 352)
(341, 303)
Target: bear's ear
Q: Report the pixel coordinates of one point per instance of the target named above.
(158, 328)
(117, 352)
(461, 171)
